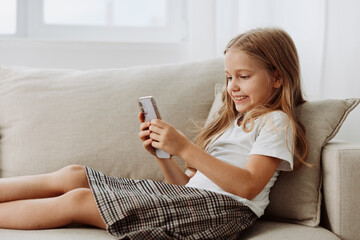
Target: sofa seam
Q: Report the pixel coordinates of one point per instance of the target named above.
(340, 187)
(342, 120)
(319, 200)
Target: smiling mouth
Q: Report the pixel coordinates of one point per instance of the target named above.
(240, 99)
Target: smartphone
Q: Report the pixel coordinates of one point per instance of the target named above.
(149, 108)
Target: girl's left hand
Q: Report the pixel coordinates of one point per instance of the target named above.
(167, 138)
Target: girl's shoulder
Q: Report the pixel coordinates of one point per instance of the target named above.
(274, 118)
(278, 114)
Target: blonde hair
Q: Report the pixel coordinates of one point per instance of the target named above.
(274, 50)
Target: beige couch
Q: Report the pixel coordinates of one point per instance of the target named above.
(51, 118)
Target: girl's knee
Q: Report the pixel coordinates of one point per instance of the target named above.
(71, 169)
(81, 203)
(72, 177)
(78, 197)
(73, 200)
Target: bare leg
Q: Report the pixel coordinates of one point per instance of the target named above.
(43, 186)
(76, 206)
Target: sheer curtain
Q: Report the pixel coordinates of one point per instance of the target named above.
(304, 20)
(324, 31)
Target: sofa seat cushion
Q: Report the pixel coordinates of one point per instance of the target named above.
(268, 230)
(262, 230)
(75, 233)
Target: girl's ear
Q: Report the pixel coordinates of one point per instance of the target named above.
(277, 80)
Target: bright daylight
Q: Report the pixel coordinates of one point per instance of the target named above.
(179, 119)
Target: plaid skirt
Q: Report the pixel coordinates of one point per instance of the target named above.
(145, 209)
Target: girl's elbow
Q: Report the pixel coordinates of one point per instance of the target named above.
(251, 195)
(247, 192)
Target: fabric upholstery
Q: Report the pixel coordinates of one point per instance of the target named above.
(75, 233)
(263, 230)
(341, 187)
(267, 230)
(296, 196)
(52, 118)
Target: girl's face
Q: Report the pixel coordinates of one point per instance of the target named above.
(248, 84)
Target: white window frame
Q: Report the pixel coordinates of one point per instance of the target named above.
(21, 14)
(30, 25)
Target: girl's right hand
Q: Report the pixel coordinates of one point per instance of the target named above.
(144, 134)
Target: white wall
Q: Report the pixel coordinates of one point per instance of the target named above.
(88, 55)
(325, 32)
(341, 72)
(304, 20)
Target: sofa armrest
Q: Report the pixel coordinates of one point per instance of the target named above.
(341, 188)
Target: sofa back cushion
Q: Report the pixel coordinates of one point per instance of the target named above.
(51, 118)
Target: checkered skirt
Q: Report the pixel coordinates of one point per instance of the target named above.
(145, 209)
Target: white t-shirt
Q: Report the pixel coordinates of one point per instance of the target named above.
(270, 137)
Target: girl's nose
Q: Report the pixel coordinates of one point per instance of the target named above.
(233, 86)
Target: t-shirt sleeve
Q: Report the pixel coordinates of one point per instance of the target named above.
(274, 139)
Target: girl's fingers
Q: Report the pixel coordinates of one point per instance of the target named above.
(155, 144)
(148, 147)
(155, 129)
(144, 134)
(154, 136)
(141, 117)
(158, 122)
(144, 126)
(147, 142)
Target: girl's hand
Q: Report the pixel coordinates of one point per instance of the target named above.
(167, 138)
(144, 134)
(172, 172)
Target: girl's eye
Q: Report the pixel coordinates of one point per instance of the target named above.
(244, 77)
(228, 78)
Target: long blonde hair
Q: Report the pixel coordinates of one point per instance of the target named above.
(274, 50)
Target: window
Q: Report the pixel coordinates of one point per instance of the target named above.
(98, 20)
(7, 17)
(106, 13)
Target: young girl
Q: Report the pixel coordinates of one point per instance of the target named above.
(234, 163)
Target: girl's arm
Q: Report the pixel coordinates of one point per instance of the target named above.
(245, 182)
(172, 172)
